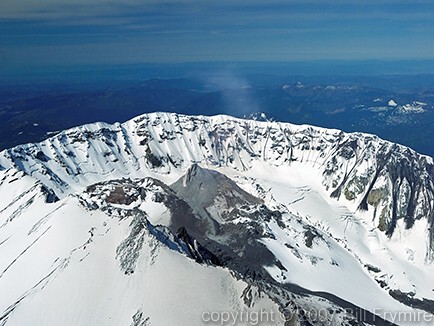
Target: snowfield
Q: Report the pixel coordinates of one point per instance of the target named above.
(91, 225)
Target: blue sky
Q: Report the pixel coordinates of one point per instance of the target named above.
(89, 32)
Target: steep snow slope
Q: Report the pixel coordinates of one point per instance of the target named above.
(327, 246)
(304, 251)
(352, 214)
(68, 263)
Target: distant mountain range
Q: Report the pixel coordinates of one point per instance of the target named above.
(29, 113)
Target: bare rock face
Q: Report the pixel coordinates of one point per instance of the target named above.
(212, 194)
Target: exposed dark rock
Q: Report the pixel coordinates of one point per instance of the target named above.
(408, 299)
(50, 196)
(195, 249)
(202, 188)
(310, 234)
(41, 156)
(372, 268)
(118, 196)
(152, 159)
(139, 319)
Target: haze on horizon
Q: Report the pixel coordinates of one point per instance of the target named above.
(50, 33)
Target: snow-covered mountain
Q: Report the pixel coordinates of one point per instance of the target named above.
(167, 218)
